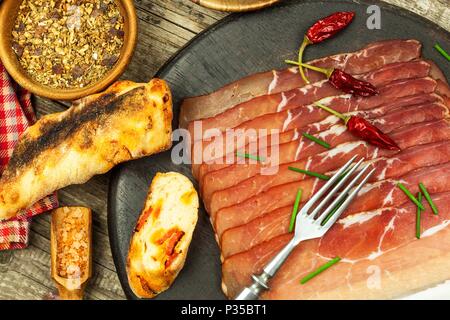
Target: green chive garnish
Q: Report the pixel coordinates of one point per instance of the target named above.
(442, 51)
(427, 196)
(310, 173)
(250, 156)
(298, 198)
(419, 213)
(321, 269)
(338, 205)
(410, 196)
(317, 140)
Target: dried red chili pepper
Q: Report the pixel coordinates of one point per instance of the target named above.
(327, 27)
(343, 81)
(364, 130)
(368, 132)
(321, 30)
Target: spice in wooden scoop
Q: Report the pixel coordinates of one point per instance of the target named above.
(71, 250)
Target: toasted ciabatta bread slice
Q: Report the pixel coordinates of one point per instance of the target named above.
(162, 235)
(127, 121)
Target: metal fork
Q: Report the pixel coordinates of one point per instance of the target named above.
(307, 226)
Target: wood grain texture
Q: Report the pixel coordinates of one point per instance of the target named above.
(164, 27)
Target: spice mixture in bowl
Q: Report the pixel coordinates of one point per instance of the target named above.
(68, 43)
(67, 49)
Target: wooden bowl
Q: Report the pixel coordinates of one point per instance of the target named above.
(235, 5)
(8, 14)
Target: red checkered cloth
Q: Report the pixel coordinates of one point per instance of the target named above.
(16, 114)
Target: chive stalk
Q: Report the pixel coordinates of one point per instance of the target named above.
(410, 196)
(428, 197)
(249, 156)
(310, 173)
(316, 140)
(418, 216)
(298, 198)
(442, 51)
(321, 269)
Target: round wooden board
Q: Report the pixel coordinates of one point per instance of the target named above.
(235, 5)
(237, 46)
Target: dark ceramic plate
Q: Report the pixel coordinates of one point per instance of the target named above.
(237, 46)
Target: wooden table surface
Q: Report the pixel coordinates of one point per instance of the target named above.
(164, 27)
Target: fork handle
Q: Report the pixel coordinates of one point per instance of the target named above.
(260, 281)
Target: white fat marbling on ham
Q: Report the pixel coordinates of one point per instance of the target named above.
(378, 121)
(389, 198)
(283, 102)
(334, 130)
(327, 100)
(375, 153)
(293, 70)
(327, 121)
(308, 163)
(273, 83)
(389, 227)
(288, 120)
(342, 148)
(359, 218)
(389, 164)
(431, 231)
(299, 148)
(366, 188)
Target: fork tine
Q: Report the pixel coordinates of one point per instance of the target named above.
(349, 199)
(327, 185)
(342, 195)
(336, 188)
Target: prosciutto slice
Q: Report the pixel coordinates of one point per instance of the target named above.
(199, 171)
(368, 242)
(298, 150)
(371, 57)
(304, 96)
(284, 194)
(385, 193)
(276, 223)
(304, 115)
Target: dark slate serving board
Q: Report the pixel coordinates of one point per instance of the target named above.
(239, 45)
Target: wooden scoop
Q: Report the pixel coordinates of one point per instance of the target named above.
(71, 250)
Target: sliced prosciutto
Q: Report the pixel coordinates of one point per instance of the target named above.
(250, 202)
(282, 195)
(276, 223)
(306, 95)
(219, 163)
(368, 243)
(371, 57)
(304, 115)
(297, 150)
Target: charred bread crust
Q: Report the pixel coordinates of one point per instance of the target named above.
(127, 121)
